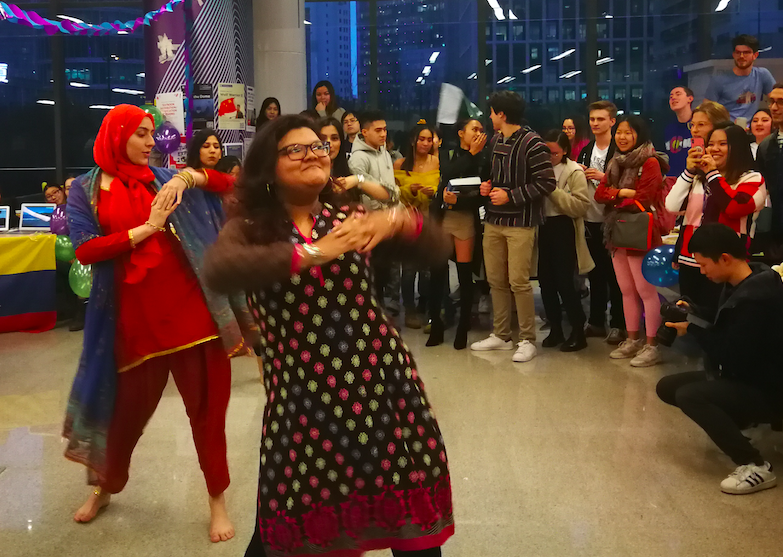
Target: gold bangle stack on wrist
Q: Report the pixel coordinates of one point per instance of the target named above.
(132, 240)
(188, 178)
(158, 228)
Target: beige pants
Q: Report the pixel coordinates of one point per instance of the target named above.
(508, 252)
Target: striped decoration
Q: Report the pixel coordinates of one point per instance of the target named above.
(222, 52)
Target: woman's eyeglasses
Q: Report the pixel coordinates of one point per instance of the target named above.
(297, 152)
(569, 129)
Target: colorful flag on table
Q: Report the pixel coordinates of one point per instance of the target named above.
(27, 283)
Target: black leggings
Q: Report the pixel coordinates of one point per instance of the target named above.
(557, 266)
(722, 408)
(603, 282)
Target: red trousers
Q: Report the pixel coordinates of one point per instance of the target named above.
(203, 378)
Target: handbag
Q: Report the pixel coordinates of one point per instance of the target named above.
(634, 231)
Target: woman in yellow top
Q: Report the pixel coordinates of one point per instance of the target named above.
(418, 176)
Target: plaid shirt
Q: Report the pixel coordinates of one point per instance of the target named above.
(521, 166)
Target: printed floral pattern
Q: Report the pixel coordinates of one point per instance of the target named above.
(351, 451)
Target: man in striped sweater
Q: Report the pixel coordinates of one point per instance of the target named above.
(521, 178)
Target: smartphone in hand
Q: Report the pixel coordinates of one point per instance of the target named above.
(698, 143)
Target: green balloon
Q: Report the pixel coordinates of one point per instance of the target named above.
(80, 279)
(157, 115)
(63, 249)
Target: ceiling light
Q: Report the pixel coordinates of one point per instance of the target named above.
(765, 49)
(434, 57)
(569, 75)
(499, 14)
(420, 79)
(426, 71)
(531, 69)
(77, 84)
(127, 91)
(609, 16)
(512, 15)
(604, 61)
(474, 75)
(487, 62)
(141, 74)
(45, 101)
(307, 22)
(507, 79)
(722, 5)
(122, 32)
(69, 18)
(102, 107)
(565, 54)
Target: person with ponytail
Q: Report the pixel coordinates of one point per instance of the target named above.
(337, 373)
(634, 175)
(150, 312)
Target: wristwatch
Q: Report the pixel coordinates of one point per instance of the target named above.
(315, 254)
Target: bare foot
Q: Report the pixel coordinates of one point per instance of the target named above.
(220, 527)
(94, 504)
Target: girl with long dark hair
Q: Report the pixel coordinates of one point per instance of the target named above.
(635, 174)
(270, 110)
(460, 219)
(718, 185)
(326, 102)
(761, 127)
(418, 176)
(577, 131)
(204, 150)
(352, 459)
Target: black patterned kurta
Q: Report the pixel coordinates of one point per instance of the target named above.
(352, 458)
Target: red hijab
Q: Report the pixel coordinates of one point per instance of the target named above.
(131, 189)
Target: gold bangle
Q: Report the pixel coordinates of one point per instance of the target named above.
(188, 178)
(158, 228)
(132, 240)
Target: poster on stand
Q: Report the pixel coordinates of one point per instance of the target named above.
(251, 109)
(177, 159)
(203, 107)
(248, 141)
(231, 106)
(173, 108)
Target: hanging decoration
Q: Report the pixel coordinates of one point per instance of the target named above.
(15, 14)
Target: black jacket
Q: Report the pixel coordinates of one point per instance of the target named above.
(769, 161)
(747, 335)
(460, 164)
(587, 152)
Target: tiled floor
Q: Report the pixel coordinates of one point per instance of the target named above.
(569, 455)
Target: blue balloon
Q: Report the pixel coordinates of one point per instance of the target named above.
(657, 267)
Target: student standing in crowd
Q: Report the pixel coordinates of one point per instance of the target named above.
(521, 179)
(418, 176)
(370, 159)
(603, 283)
(746, 386)
(326, 102)
(351, 128)
(230, 165)
(460, 218)
(576, 129)
(761, 128)
(204, 150)
(367, 476)
(677, 135)
(149, 313)
(769, 161)
(270, 110)
(562, 249)
(742, 89)
(634, 175)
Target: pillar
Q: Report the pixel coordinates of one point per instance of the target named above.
(280, 57)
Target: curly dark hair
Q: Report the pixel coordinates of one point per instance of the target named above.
(265, 217)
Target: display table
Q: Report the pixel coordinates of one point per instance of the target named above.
(27, 282)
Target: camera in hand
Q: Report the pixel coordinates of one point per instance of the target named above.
(671, 313)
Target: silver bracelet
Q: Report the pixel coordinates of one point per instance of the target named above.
(314, 253)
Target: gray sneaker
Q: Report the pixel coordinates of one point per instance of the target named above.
(615, 337)
(647, 356)
(627, 349)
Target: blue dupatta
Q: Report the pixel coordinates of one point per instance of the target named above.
(197, 222)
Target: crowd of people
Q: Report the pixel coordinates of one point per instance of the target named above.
(328, 232)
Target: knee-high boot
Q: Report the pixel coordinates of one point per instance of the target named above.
(438, 281)
(465, 274)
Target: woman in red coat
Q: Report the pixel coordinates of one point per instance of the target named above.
(144, 233)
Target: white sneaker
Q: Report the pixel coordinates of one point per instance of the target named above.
(492, 343)
(647, 356)
(526, 351)
(749, 478)
(627, 349)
